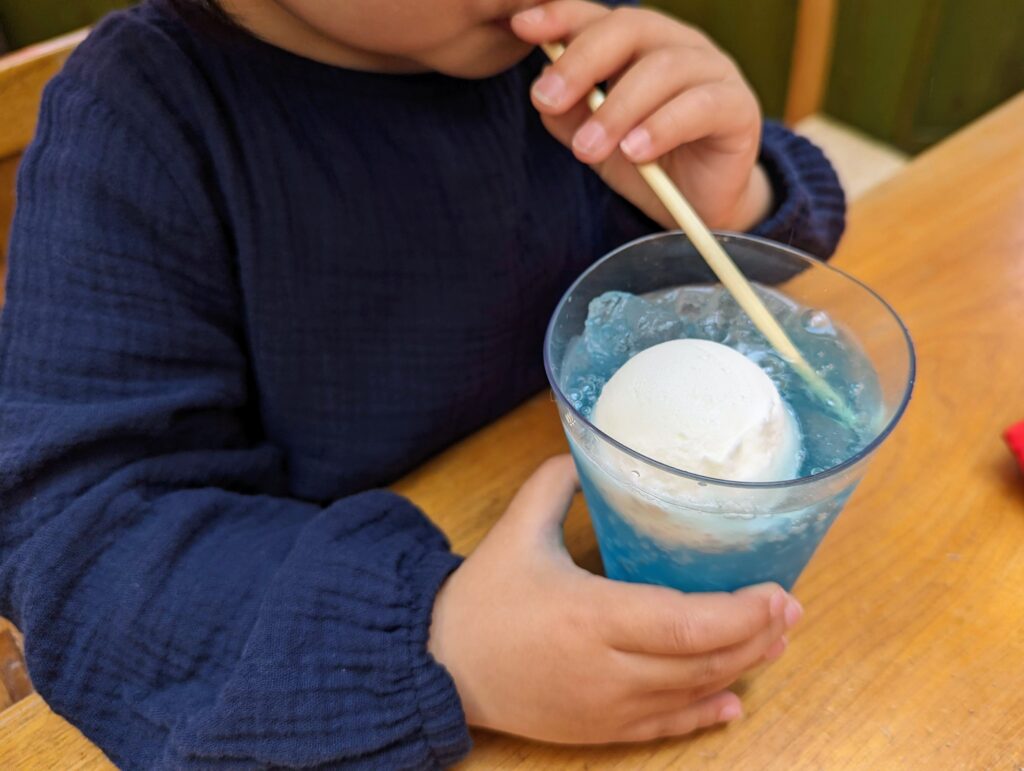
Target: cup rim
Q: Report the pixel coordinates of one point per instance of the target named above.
(814, 262)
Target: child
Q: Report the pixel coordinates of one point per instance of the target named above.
(272, 254)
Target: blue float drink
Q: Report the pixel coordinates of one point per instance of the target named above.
(664, 525)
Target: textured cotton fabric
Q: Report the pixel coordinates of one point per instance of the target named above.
(245, 290)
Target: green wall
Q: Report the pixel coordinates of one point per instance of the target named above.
(29, 21)
(908, 72)
(913, 71)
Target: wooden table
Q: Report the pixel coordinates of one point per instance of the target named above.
(911, 654)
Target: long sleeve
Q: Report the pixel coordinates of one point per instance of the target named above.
(809, 210)
(179, 606)
(810, 206)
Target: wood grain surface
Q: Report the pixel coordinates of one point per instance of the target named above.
(23, 75)
(911, 654)
(33, 738)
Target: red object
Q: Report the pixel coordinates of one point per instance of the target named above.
(1014, 437)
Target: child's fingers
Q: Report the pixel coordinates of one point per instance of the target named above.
(602, 49)
(565, 20)
(559, 20)
(659, 672)
(720, 707)
(645, 87)
(564, 127)
(543, 500)
(696, 114)
(653, 619)
(776, 649)
(662, 702)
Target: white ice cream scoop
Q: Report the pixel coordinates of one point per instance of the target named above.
(701, 407)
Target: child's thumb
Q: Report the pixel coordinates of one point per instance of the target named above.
(542, 502)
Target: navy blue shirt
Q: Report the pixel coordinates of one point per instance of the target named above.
(246, 289)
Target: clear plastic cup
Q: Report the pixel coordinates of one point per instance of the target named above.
(720, 535)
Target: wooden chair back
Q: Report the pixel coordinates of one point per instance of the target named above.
(812, 55)
(23, 75)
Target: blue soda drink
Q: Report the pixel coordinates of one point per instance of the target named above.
(697, 534)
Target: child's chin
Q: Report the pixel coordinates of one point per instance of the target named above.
(483, 55)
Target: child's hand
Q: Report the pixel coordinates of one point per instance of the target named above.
(541, 648)
(674, 97)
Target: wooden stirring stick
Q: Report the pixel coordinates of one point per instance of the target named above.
(723, 266)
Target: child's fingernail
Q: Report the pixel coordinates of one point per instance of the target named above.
(777, 603)
(530, 16)
(776, 649)
(794, 612)
(729, 712)
(637, 143)
(590, 138)
(549, 89)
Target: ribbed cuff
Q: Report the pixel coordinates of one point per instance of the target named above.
(444, 722)
(810, 211)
